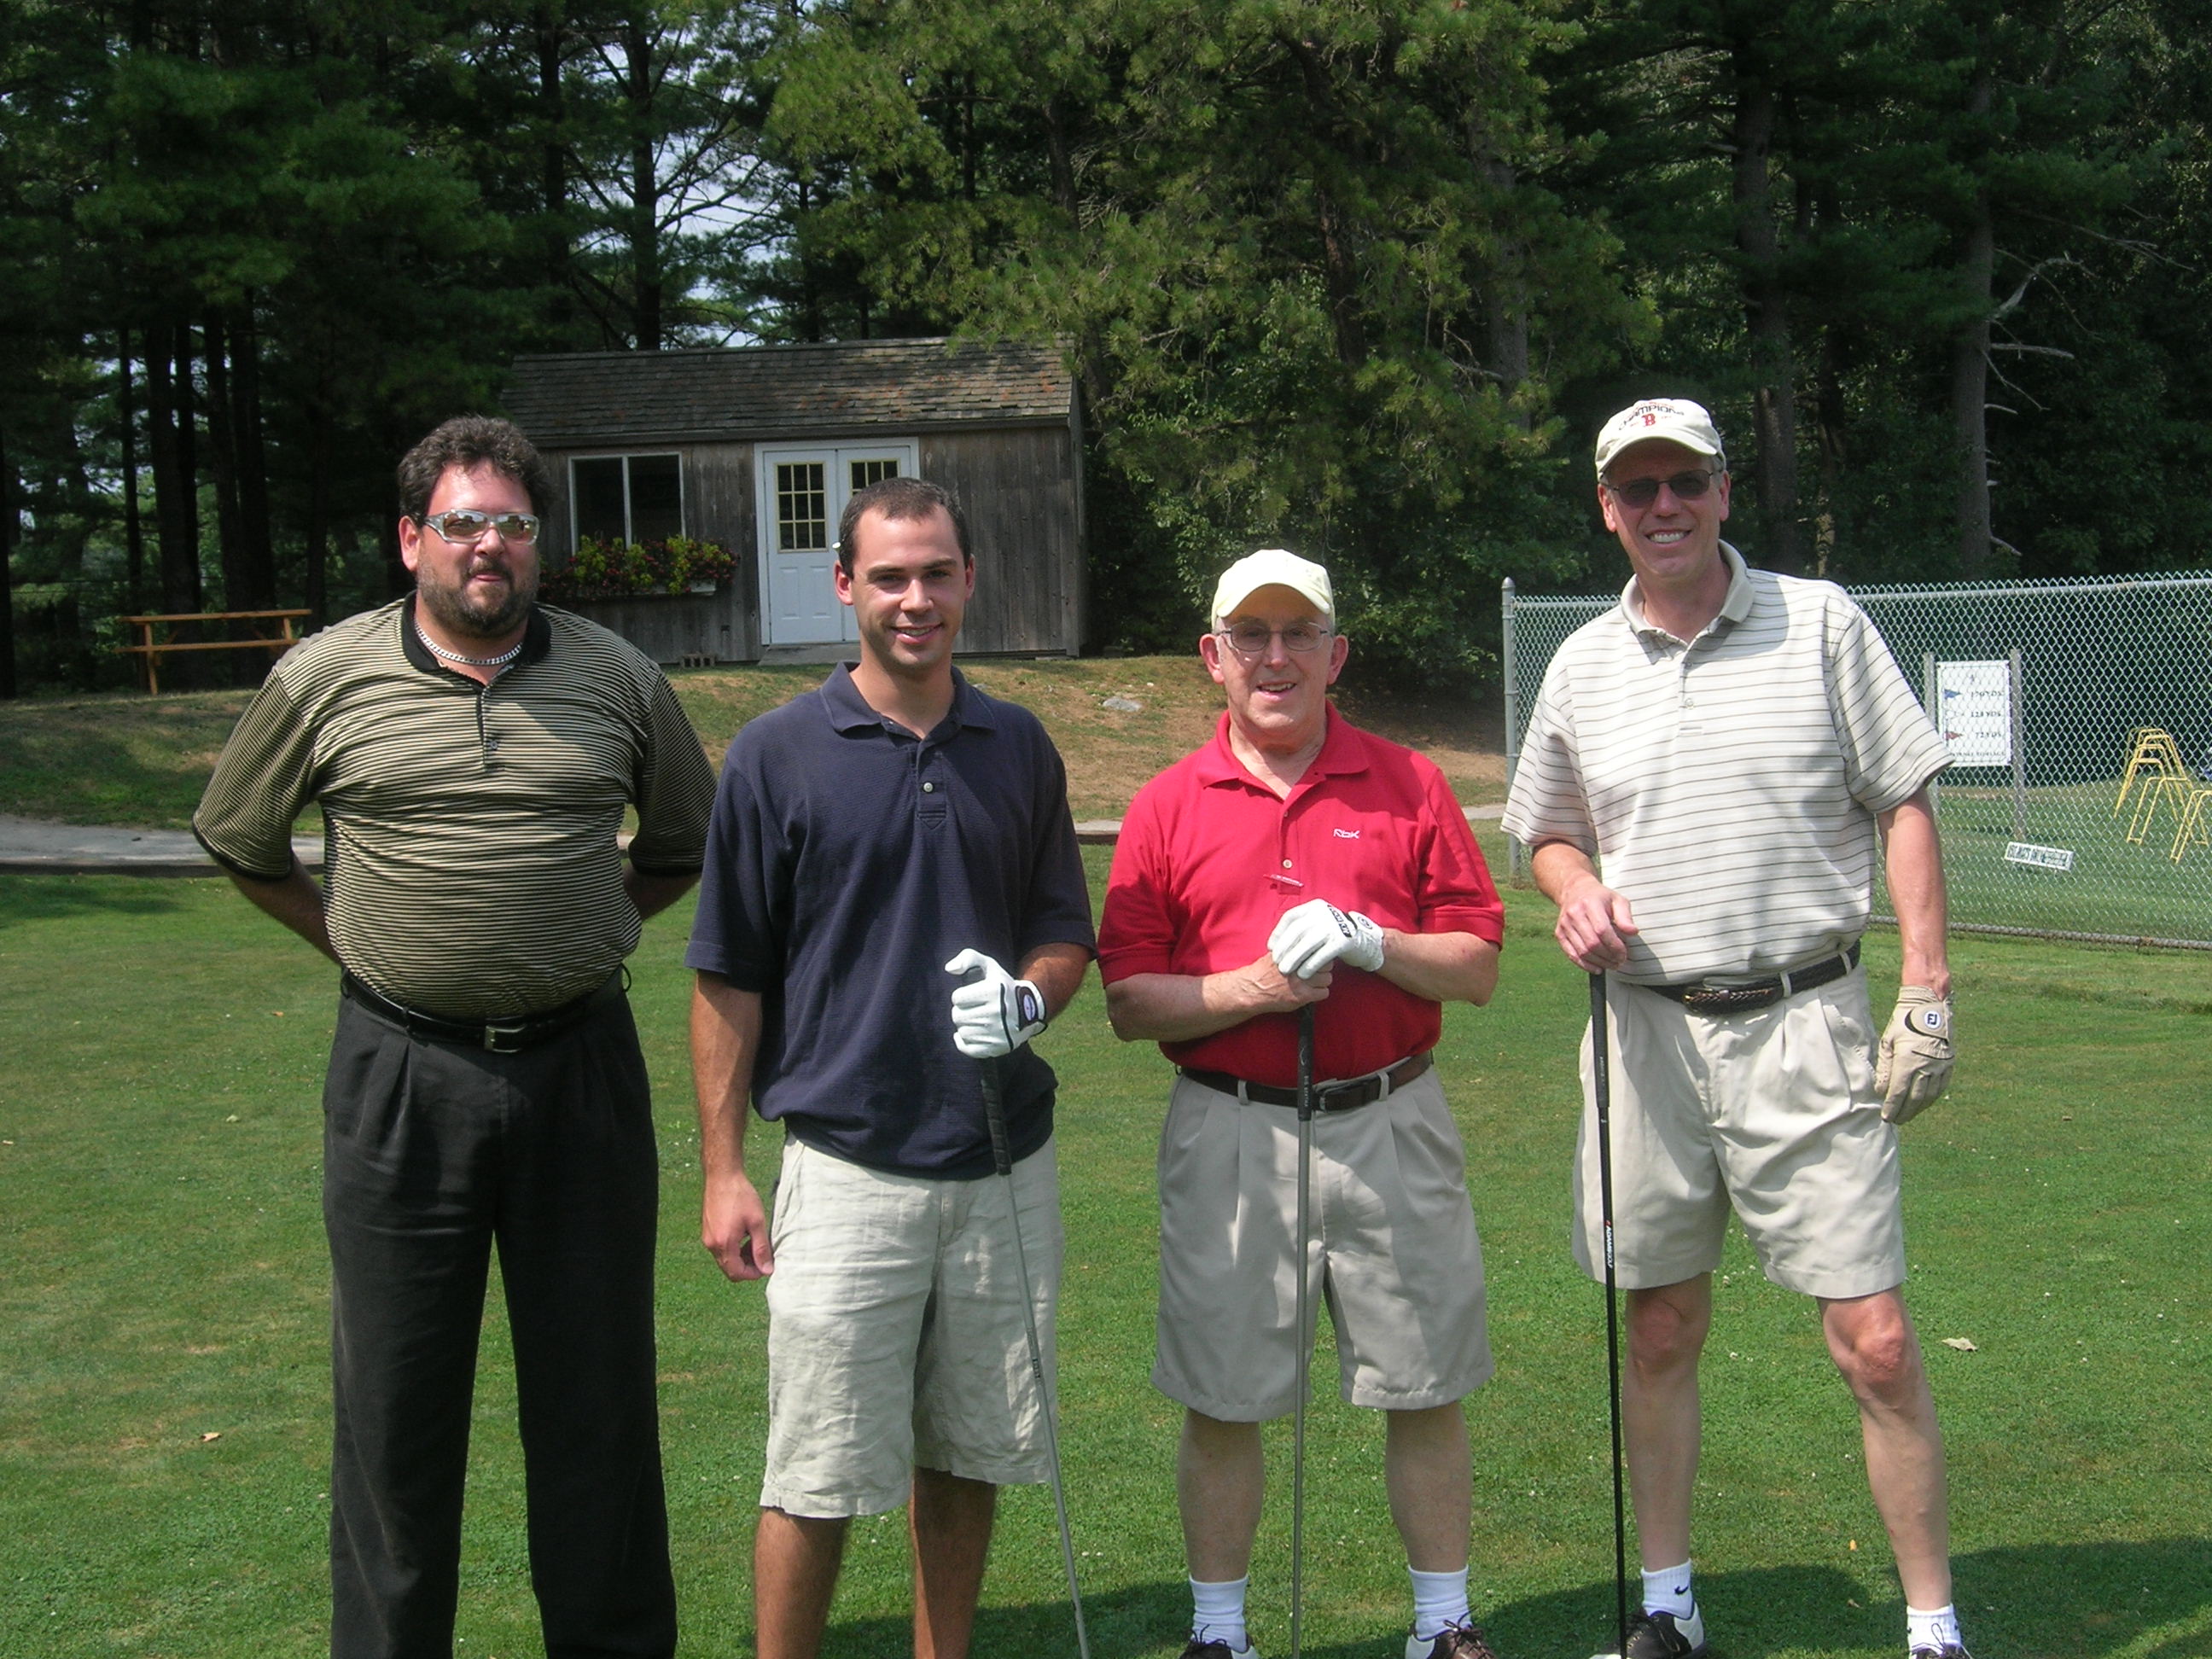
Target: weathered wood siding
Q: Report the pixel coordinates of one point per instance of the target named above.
(718, 505)
(1018, 488)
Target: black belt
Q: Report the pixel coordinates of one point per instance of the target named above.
(502, 1036)
(1331, 1097)
(1702, 997)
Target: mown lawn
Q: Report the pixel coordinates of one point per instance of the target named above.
(163, 1405)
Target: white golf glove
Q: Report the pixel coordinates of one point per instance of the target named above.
(994, 1015)
(1312, 935)
(1917, 1055)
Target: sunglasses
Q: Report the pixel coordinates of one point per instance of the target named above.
(462, 527)
(1640, 493)
(1251, 638)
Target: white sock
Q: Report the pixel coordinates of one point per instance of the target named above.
(1668, 1590)
(1935, 1627)
(1439, 1599)
(1217, 1612)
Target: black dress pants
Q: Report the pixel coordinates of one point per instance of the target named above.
(434, 1152)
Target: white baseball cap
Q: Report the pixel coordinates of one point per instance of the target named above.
(1677, 420)
(1271, 567)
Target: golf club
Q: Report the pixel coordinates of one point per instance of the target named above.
(1602, 1088)
(995, 1114)
(1305, 1333)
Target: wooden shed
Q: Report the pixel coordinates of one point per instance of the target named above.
(759, 447)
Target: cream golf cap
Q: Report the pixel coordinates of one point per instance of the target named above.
(1271, 567)
(1677, 420)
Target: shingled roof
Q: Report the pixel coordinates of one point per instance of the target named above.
(771, 391)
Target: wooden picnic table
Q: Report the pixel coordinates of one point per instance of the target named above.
(154, 650)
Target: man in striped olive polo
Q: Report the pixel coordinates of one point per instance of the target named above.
(473, 754)
(1732, 748)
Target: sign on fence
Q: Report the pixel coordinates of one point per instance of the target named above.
(1974, 711)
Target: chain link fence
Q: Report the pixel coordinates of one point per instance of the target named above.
(2079, 800)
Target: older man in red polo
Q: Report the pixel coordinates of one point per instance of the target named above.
(1296, 861)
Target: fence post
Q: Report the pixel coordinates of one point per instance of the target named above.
(2019, 750)
(1516, 857)
(1931, 703)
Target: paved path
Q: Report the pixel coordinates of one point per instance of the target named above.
(33, 847)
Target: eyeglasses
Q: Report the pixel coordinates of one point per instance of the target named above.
(1251, 638)
(1640, 493)
(462, 527)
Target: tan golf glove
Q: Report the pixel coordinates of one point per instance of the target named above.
(1916, 1057)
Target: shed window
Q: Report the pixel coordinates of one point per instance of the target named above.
(802, 506)
(629, 498)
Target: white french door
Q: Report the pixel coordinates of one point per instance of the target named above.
(802, 490)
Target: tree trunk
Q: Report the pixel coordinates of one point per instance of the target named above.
(222, 462)
(134, 531)
(1970, 359)
(318, 513)
(1766, 316)
(644, 192)
(257, 551)
(1505, 302)
(552, 112)
(7, 579)
(176, 493)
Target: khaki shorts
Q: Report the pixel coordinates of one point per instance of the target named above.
(1392, 1254)
(1771, 1113)
(896, 1337)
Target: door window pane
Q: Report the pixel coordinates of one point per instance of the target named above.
(656, 497)
(601, 514)
(802, 506)
(867, 472)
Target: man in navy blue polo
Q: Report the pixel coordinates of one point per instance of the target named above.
(874, 842)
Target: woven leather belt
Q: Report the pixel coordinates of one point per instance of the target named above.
(1702, 997)
(502, 1036)
(1329, 1097)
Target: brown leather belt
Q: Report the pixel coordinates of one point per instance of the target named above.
(1327, 1098)
(1703, 997)
(502, 1036)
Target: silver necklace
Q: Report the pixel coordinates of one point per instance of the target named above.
(500, 661)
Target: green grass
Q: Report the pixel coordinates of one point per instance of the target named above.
(2135, 888)
(161, 1058)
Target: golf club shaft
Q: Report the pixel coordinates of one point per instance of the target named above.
(995, 1114)
(1305, 1334)
(1602, 1088)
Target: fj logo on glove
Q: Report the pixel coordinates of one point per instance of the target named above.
(1931, 1019)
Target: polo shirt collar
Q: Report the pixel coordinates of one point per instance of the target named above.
(537, 641)
(1343, 749)
(1735, 605)
(851, 712)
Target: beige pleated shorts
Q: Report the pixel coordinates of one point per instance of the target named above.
(1392, 1253)
(1772, 1114)
(896, 1337)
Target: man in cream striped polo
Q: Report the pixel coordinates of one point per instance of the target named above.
(1710, 772)
(473, 753)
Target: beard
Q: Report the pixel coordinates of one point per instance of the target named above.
(459, 613)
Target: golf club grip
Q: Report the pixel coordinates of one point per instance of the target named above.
(1601, 1069)
(1305, 1061)
(988, 1077)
